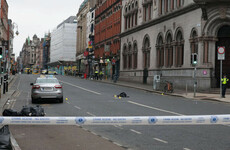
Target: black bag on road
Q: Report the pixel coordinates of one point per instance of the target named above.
(10, 112)
(32, 111)
(5, 143)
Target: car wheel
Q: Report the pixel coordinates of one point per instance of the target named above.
(33, 100)
(61, 100)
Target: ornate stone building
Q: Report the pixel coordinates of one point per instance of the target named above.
(159, 36)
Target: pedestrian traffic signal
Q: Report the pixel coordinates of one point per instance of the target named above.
(1, 53)
(194, 59)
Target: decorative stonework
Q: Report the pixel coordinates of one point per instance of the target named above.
(223, 12)
(174, 25)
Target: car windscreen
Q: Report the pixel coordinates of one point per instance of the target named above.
(45, 80)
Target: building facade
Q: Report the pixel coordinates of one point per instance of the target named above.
(4, 34)
(159, 36)
(81, 36)
(63, 44)
(107, 36)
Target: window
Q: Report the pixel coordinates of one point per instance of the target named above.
(160, 52)
(92, 15)
(136, 18)
(179, 49)
(130, 57)
(169, 51)
(135, 58)
(125, 58)
(146, 52)
(160, 7)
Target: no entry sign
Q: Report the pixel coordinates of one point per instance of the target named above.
(221, 53)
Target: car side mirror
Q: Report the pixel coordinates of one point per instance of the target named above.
(31, 84)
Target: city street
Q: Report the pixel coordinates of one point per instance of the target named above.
(91, 98)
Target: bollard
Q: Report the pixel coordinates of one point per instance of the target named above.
(6, 86)
(0, 90)
(186, 89)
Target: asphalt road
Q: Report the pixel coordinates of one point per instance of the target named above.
(91, 98)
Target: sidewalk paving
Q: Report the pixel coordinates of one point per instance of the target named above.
(4, 97)
(3, 100)
(213, 94)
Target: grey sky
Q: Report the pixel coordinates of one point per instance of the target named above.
(39, 17)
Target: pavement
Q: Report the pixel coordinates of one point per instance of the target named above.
(212, 94)
(3, 100)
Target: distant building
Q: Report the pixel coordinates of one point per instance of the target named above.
(63, 41)
(46, 50)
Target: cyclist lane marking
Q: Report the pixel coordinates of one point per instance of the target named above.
(81, 88)
(154, 108)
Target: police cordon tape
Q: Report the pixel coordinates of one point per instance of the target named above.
(129, 120)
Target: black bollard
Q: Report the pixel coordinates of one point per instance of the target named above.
(6, 86)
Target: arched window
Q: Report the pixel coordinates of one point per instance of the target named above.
(130, 57)
(194, 42)
(146, 52)
(169, 51)
(135, 54)
(160, 51)
(136, 4)
(125, 54)
(179, 49)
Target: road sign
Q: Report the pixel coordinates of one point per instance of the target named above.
(221, 53)
(221, 57)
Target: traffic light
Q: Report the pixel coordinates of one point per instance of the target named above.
(194, 59)
(1, 53)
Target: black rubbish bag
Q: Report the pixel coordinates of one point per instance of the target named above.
(32, 111)
(10, 112)
(123, 94)
(5, 143)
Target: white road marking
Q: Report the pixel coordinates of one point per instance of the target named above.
(105, 138)
(186, 149)
(162, 110)
(94, 133)
(117, 144)
(28, 97)
(90, 114)
(77, 107)
(137, 132)
(81, 88)
(119, 127)
(67, 102)
(159, 140)
(19, 83)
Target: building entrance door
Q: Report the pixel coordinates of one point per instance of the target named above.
(223, 40)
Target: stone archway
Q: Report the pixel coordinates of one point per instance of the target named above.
(223, 36)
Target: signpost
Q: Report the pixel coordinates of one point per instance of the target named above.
(194, 63)
(221, 57)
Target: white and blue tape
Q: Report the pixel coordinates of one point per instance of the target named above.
(136, 120)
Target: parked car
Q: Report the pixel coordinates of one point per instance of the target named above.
(52, 72)
(46, 87)
(44, 71)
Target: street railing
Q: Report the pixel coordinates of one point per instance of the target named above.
(129, 120)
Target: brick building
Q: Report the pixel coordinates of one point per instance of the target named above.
(107, 36)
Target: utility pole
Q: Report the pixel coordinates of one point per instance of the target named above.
(194, 63)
